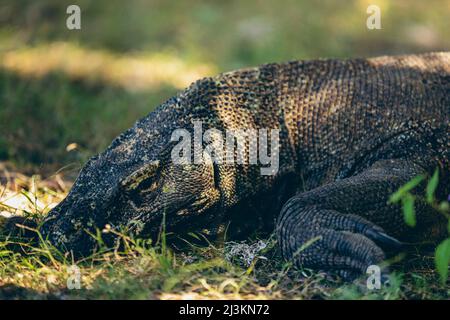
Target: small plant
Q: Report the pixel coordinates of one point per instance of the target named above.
(407, 199)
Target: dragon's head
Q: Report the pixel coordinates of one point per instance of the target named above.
(134, 184)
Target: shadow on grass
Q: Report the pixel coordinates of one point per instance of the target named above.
(40, 117)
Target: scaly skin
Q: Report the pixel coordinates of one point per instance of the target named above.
(351, 133)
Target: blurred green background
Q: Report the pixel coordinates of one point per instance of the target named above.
(65, 94)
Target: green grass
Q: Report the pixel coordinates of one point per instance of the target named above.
(149, 272)
(40, 117)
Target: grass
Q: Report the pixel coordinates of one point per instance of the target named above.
(144, 270)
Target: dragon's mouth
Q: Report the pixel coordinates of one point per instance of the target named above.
(182, 219)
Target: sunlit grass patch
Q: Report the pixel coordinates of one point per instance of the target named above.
(135, 72)
(21, 194)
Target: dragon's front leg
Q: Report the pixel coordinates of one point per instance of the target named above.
(347, 225)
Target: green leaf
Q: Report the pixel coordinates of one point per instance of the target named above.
(442, 259)
(408, 210)
(432, 185)
(404, 190)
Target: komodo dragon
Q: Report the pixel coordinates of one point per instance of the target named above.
(351, 132)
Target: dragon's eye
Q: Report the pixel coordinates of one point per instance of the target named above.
(148, 186)
(142, 178)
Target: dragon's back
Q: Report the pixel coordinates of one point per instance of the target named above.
(338, 116)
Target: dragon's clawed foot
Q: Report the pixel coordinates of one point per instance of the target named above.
(325, 239)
